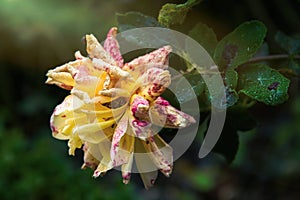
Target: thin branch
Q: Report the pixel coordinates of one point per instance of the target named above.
(252, 60)
(271, 57)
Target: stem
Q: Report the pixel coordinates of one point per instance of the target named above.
(192, 3)
(271, 57)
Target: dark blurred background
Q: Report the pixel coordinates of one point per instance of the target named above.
(36, 35)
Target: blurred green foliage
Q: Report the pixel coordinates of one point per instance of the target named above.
(34, 169)
(50, 28)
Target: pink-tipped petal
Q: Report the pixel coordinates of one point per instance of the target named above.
(124, 152)
(118, 134)
(146, 168)
(63, 118)
(113, 70)
(111, 45)
(139, 107)
(140, 128)
(163, 114)
(149, 179)
(79, 56)
(155, 82)
(158, 58)
(61, 77)
(162, 156)
(105, 163)
(138, 118)
(89, 160)
(126, 169)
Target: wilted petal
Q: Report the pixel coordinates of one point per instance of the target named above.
(82, 67)
(113, 70)
(126, 148)
(86, 134)
(146, 167)
(163, 114)
(139, 107)
(61, 77)
(91, 85)
(64, 76)
(78, 56)
(95, 50)
(126, 169)
(111, 45)
(63, 118)
(149, 178)
(87, 84)
(94, 149)
(105, 163)
(99, 111)
(74, 143)
(88, 159)
(115, 92)
(157, 58)
(85, 97)
(87, 130)
(141, 128)
(155, 82)
(118, 134)
(161, 156)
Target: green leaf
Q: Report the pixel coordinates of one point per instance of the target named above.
(289, 44)
(263, 84)
(205, 36)
(230, 81)
(171, 14)
(132, 20)
(240, 45)
(218, 92)
(231, 78)
(186, 94)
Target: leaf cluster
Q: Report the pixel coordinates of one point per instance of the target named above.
(241, 57)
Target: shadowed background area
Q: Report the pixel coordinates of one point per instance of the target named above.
(36, 35)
